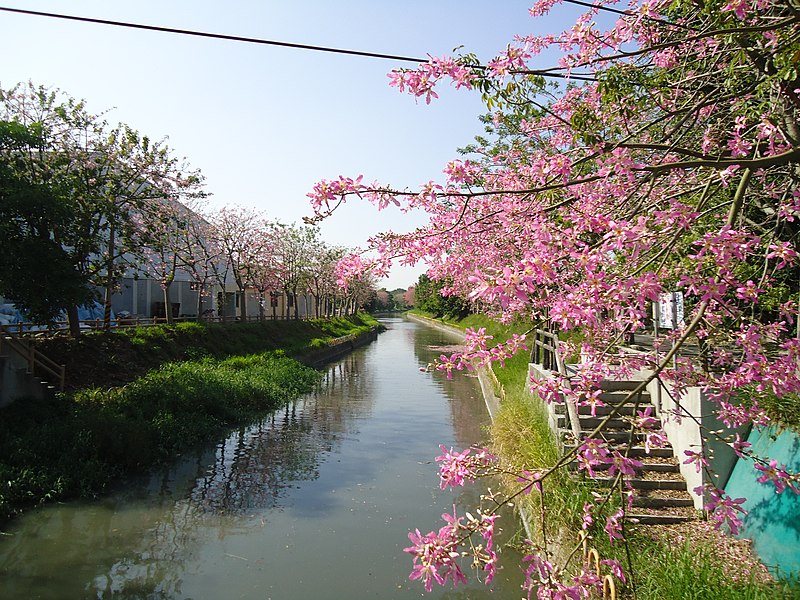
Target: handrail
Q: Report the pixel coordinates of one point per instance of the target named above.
(35, 358)
(546, 353)
(25, 328)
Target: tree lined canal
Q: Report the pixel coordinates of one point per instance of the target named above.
(314, 501)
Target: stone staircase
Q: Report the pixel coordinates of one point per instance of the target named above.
(660, 490)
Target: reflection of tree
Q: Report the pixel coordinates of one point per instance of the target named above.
(462, 391)
(251, 470)
(138, 548)
(254, 467)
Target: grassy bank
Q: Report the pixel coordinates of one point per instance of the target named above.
(117, 357)
(668, 562)
(147, 395)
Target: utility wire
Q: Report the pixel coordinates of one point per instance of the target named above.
(237, 38)
(218, 36)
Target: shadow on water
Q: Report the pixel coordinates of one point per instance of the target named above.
(313, 501)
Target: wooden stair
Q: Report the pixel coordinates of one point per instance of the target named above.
(660, 490)
(25, 371)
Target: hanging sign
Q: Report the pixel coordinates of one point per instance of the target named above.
(670, 314)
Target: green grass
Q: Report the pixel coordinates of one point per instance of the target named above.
(76, 445)
(206, 380)
(522, 437)
(114, 358)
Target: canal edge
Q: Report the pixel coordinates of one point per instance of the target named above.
(488, 383)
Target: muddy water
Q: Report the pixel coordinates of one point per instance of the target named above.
(313, 502)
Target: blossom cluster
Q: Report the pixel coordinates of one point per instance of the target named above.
(644, 175)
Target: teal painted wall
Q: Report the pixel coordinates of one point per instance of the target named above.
(773, 520)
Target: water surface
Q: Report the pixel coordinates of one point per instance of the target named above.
(314, 501)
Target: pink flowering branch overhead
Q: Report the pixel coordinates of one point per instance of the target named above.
(666, 158)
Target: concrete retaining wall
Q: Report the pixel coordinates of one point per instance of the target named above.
(17, 383)
(338, 349)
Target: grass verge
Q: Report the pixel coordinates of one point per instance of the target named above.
(666, 563)
(76, 444)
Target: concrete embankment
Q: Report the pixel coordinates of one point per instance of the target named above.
(490, 388)
(338, 348)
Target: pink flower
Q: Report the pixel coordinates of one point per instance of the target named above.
(587, 520)
(616, 568)
(456, 467)
(737, 7)
(623, 465)
(740, 447)
(435, 557)
(592, 453)
(776, 475)
(614, 526)
(532, 480)
(722, 509)
(696, 458)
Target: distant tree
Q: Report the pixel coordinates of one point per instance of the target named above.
(437, 298)
(168, 245)
(105, 177)
(241, 234)
(382, 301)
(410, 297)
(294, 252)
(322, 279)
(203, 257)
(37, 272)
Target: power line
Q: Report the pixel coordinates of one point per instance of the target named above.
(218, 36)
(250, 40)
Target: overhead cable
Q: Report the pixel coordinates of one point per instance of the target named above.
(250, 40)
(218, 36)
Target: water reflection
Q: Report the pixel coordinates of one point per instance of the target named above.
(313, 501)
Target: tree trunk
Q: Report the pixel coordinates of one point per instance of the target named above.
(221, 304)
(199, 301)
(243, 305)
(73, 320)
(167, 303)
(109, 277)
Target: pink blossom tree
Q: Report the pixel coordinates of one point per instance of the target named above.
(409, 297)
(168, 244)
(241, 235)
(659, 152)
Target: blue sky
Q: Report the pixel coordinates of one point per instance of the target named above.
(264, 123)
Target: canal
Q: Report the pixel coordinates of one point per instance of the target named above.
(314, 501)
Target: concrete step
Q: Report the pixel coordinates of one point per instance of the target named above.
(661, 502)
(609, 385)
(659, 518)
(613, 437)
(646, 484)
(635, 451)
(589, 423)
(644, 470)
(627, 410)
(616, 396)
